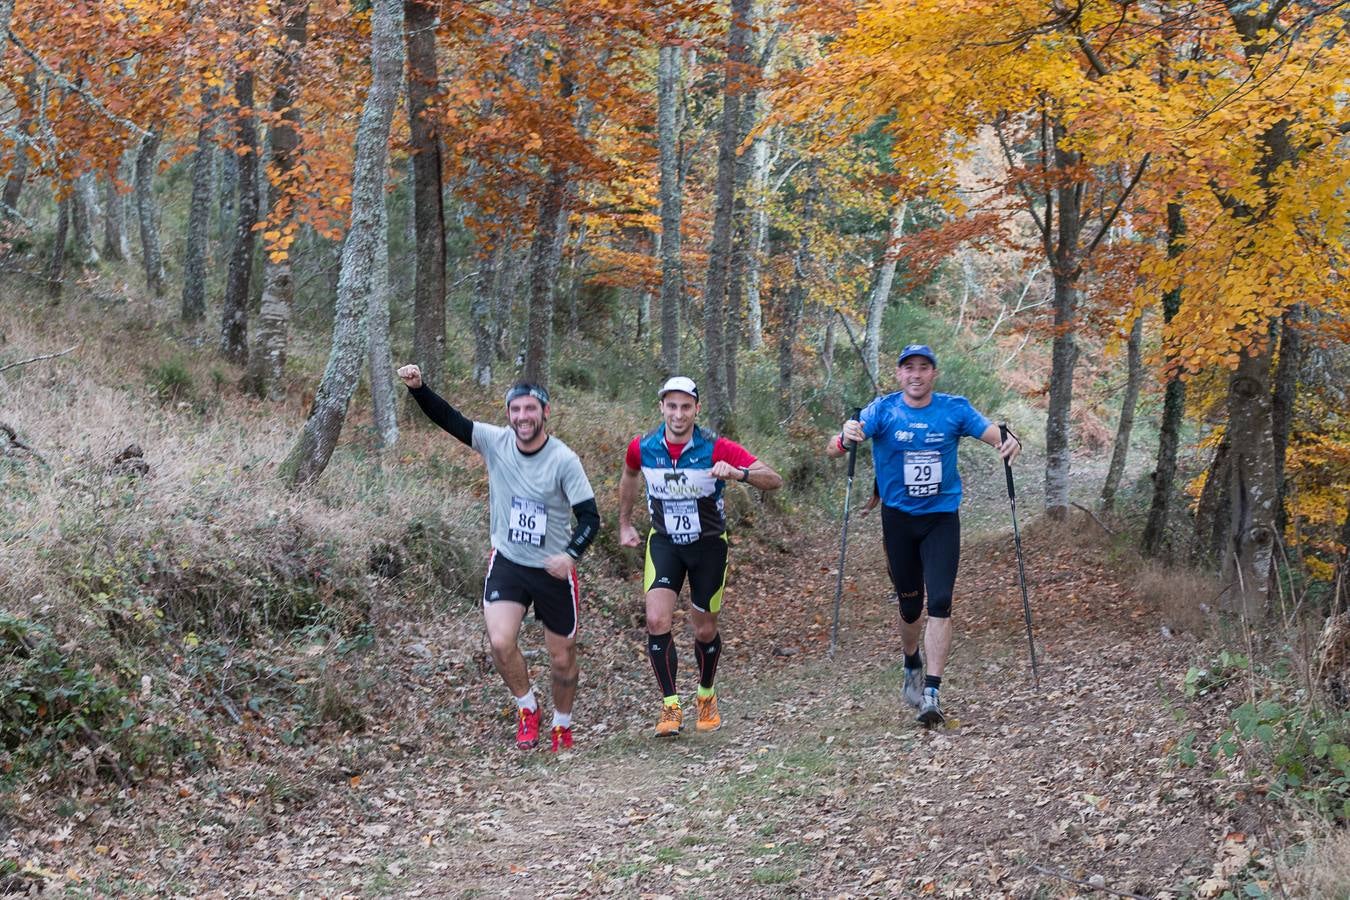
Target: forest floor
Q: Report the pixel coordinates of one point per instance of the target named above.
(819, 783)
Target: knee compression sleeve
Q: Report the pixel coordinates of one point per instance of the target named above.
(940, 607)
(911, 605)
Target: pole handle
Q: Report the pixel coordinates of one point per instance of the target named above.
(1007, 466)
(853, 445)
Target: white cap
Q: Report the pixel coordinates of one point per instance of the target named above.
(679, 383)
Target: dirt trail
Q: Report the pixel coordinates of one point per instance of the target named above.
(818, 784)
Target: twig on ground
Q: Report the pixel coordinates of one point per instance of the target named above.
(1087, 884)
(1100, 523)
(24, 362)
(14, 441)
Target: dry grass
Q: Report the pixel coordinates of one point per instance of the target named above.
(210, 502)
(1185, 598)
(1324, 871)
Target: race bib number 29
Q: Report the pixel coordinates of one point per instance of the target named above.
(923, 473)
(529, 522)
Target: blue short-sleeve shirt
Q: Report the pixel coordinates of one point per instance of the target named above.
(914, 450)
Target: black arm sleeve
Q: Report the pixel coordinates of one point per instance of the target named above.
(588, 524)
(443, 414)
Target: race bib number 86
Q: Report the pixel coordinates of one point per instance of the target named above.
(529, 522)
(923, 473)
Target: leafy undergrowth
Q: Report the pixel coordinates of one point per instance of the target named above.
(818, 783)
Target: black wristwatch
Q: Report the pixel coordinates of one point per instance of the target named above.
(745, 473)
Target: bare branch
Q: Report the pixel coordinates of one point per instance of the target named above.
(24, 362)
(14, 441)
(1111, 218)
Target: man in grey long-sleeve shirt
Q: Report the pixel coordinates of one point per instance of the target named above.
(536, 485)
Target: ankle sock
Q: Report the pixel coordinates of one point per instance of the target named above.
(932, 681)
(562, 719)
(527, 703)
(913, 660)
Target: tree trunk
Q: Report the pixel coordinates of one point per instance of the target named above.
(145, 210)
(14, 182)
(793, 306)
(267, 362)
(1284, 401)
(1064, 349)
(311, 453)
(881, 292)
(1174, 406)
(234, 314)
(84, 210)
(672, 267)
(544, 261)
(1135, 374)
(741, 223)
(384, 406)
(6, 13)
(56, 263)
(116, 245)
(428, 209)
(713, 392)
(480, 318)
(199, 215)
(1211, 510)
(759, 235)
(1249, 536)
(227, 189)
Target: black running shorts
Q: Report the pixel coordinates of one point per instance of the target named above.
(557, 603)
(704, 561)
(922, 552)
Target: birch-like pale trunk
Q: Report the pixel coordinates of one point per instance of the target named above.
(1120, 451)
(480, 318)
(881, 292)
(384, 406)
(84, 210)
(234, 309)
(56, 263)
(193, 307)
(267, 362)
(759, 236)
(151, 257)
(1249, 547)
(314, 448)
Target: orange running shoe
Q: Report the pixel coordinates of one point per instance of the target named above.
(708, 718)
(672, 719)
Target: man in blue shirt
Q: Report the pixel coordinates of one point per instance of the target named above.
(914, 435)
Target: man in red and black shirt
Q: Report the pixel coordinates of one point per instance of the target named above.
(685, 468)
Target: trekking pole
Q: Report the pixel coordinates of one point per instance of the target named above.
(1017, 541)
(843, 538)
